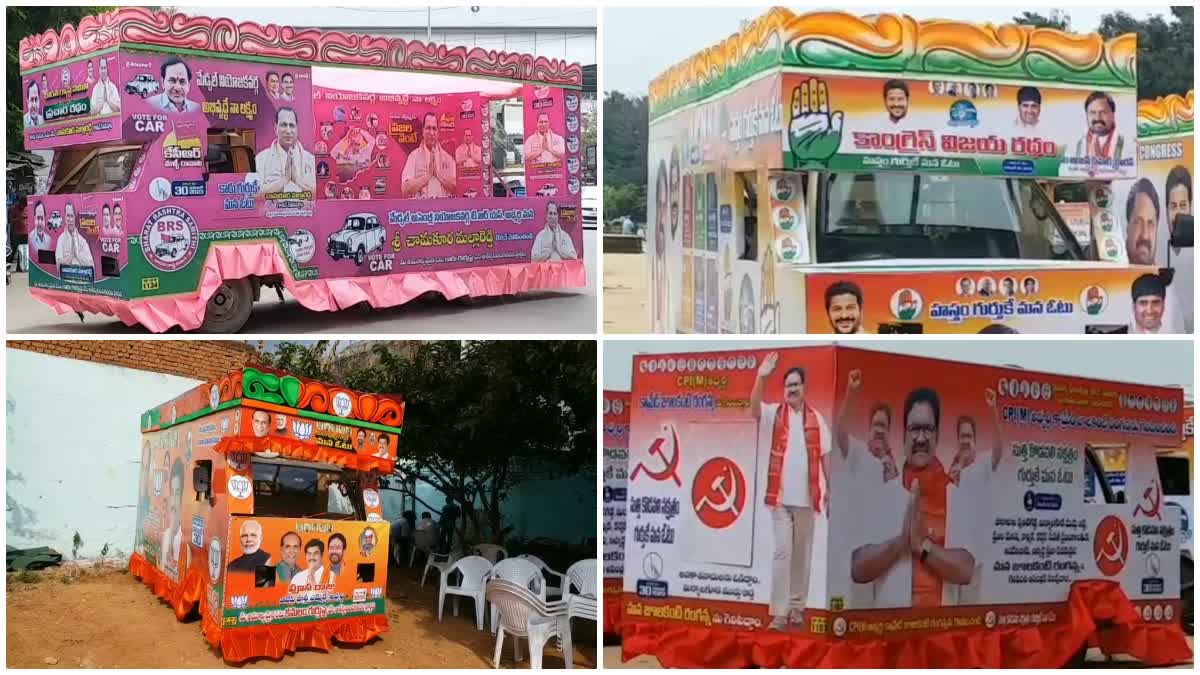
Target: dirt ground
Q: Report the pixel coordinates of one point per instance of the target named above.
(625, 294)
(612, 659)
(110, 620)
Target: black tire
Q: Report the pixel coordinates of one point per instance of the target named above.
(360, 255)
(229, 308)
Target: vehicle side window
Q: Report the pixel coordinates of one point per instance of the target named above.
(104, 172)
(230, 151)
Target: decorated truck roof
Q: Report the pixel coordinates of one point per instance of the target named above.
(304, 419)
(897, 45)
(1166, 116)
(141, 28)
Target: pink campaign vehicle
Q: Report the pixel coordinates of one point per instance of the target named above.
(197, 160)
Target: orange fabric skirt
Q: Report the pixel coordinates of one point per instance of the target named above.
(270, 641)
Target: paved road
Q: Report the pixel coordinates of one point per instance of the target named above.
(570, 311)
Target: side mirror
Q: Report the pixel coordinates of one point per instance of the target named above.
(1181, 233)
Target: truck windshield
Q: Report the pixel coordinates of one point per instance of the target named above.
(297, 489)
(100, 170)
(877, 216)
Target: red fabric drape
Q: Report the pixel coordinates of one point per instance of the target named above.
(1095, 609)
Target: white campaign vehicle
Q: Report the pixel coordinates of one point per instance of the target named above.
(143, 85)
(361, 234)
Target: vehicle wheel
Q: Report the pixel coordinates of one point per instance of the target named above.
(359, 256)
(228, 308)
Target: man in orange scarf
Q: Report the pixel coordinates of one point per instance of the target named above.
(923, 537)
(798, 440)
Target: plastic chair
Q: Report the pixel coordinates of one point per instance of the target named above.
(440, 562)
(581, 577)
(423, 540)
(524, 615)
(552, 588)
(581, 600)
(492, 552)
(474, 571)
(522, 572)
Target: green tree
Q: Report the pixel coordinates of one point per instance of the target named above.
(478, 413)
(1165, 49)
(23, 22)
(1058, 20)
(625, 200)
(626, 128)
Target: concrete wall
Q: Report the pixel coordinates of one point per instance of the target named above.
(73, 448)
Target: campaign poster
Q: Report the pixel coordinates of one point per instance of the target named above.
(993, 300)
(547, 137)
(379, 146)
(348, 438)
(79, 240)
(816, 491)
(959, 126)
(983, 471)
(365, 238)
(73, 103)
(722, 529)
(171, 525)
(294, 570)
(616, 476)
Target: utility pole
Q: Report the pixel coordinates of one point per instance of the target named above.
(429, 23)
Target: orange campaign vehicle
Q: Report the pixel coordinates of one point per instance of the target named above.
(819, 507)
(829, 173)
(616, 476)
(260, 511)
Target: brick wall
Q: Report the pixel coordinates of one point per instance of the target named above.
(197, 359)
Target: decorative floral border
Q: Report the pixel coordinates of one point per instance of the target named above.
(896, 44)
(1173, 114)
(142, 26)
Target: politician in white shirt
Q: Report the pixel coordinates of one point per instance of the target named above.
(429, 172)
(106, 98)
(797, 491)
(286, 166)
(552, 243)
(72, 248)
(544, 145)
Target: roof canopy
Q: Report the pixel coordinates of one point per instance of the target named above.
(264, 387)
(140, 27)
(1165, 116)
(890, 44)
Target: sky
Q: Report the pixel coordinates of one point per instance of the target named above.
(1146, 362)
(636, 49)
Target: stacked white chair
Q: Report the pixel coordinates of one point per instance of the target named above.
(553, 588)
(581, 598)
(523, 614)
(522, 572)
